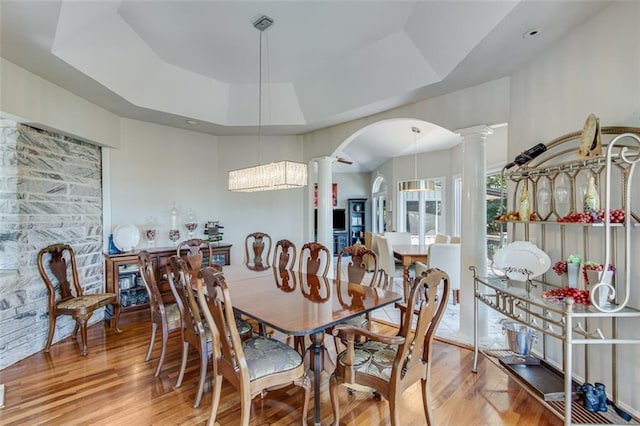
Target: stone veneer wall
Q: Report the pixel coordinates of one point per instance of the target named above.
(50, 192)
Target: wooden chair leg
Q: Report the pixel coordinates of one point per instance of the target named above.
(305, 383)
(82, 322)
(215, 401)
(393, 411)
(52, 329)
(203, 374)
(116, 317)
(183, 364)
(165, 337)
(245, 408)
(154, 328)
(333, 394)
(425, 402)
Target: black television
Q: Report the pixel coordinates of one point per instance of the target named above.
(339, 219)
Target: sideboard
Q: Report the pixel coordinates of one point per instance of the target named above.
(122, 275)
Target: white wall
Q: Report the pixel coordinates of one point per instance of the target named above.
(352, 185)
(486, 103)
(29, 99)
(159, 165)
(596, 68)
(278, 213)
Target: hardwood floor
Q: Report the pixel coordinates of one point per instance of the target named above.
(114, 386)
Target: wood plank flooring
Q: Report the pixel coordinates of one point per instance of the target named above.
(114, 386)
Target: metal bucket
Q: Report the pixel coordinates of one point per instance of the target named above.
(519, 337)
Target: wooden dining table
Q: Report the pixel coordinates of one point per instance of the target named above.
(409, 254)
(300, 304)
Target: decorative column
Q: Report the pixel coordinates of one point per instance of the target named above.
(325, 217)
(421, 218)
(474, 226)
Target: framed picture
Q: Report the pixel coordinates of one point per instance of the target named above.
(334, 194)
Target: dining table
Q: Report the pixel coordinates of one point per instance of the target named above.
(300, 304)
(409, 254)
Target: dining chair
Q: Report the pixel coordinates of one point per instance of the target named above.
(254, 250)
(384, 281)
(284, 255)
(314, 257)
(441, 238)
(370, 242)
(386, 260)
(71, 300)
(445, 256)
(388, 365)
(356, 273)
(253, 366)
(194, 333)
(195, 256)
(165, 315)
(314, 261)
(316, 288)
(356, 270)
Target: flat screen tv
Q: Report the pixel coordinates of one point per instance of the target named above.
(339, 219)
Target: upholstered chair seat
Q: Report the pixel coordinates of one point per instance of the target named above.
(373, 359)
(266, 356)
(174, 317)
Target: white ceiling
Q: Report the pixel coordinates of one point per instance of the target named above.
(325, 62)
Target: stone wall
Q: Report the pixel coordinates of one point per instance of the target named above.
(50, 192)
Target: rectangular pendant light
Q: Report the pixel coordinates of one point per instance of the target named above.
(269, 177)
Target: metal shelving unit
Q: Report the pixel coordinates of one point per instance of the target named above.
(557, 171)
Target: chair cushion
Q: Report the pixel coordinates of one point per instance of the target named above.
(244, 328)
(174, 319)
(359, 321)
(85, 301)
(373, 358)
(266, 356)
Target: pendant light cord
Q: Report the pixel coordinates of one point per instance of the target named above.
(260, 103)
(415, 131)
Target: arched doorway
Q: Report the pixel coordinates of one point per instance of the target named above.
(379, 205)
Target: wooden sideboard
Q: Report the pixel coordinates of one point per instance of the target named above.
(122, 275)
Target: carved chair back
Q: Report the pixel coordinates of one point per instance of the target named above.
(256, 257)
(357, 267)
(284, 255)
(194, 255)
(314, 257)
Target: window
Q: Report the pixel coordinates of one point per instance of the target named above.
(495, 234)
(496, 186)
(379, 195)
(431, 203)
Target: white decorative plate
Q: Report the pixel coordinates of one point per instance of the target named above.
(521, 259)
(126, 237)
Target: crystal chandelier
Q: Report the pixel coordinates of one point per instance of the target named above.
(416, 184)
(267, 177)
